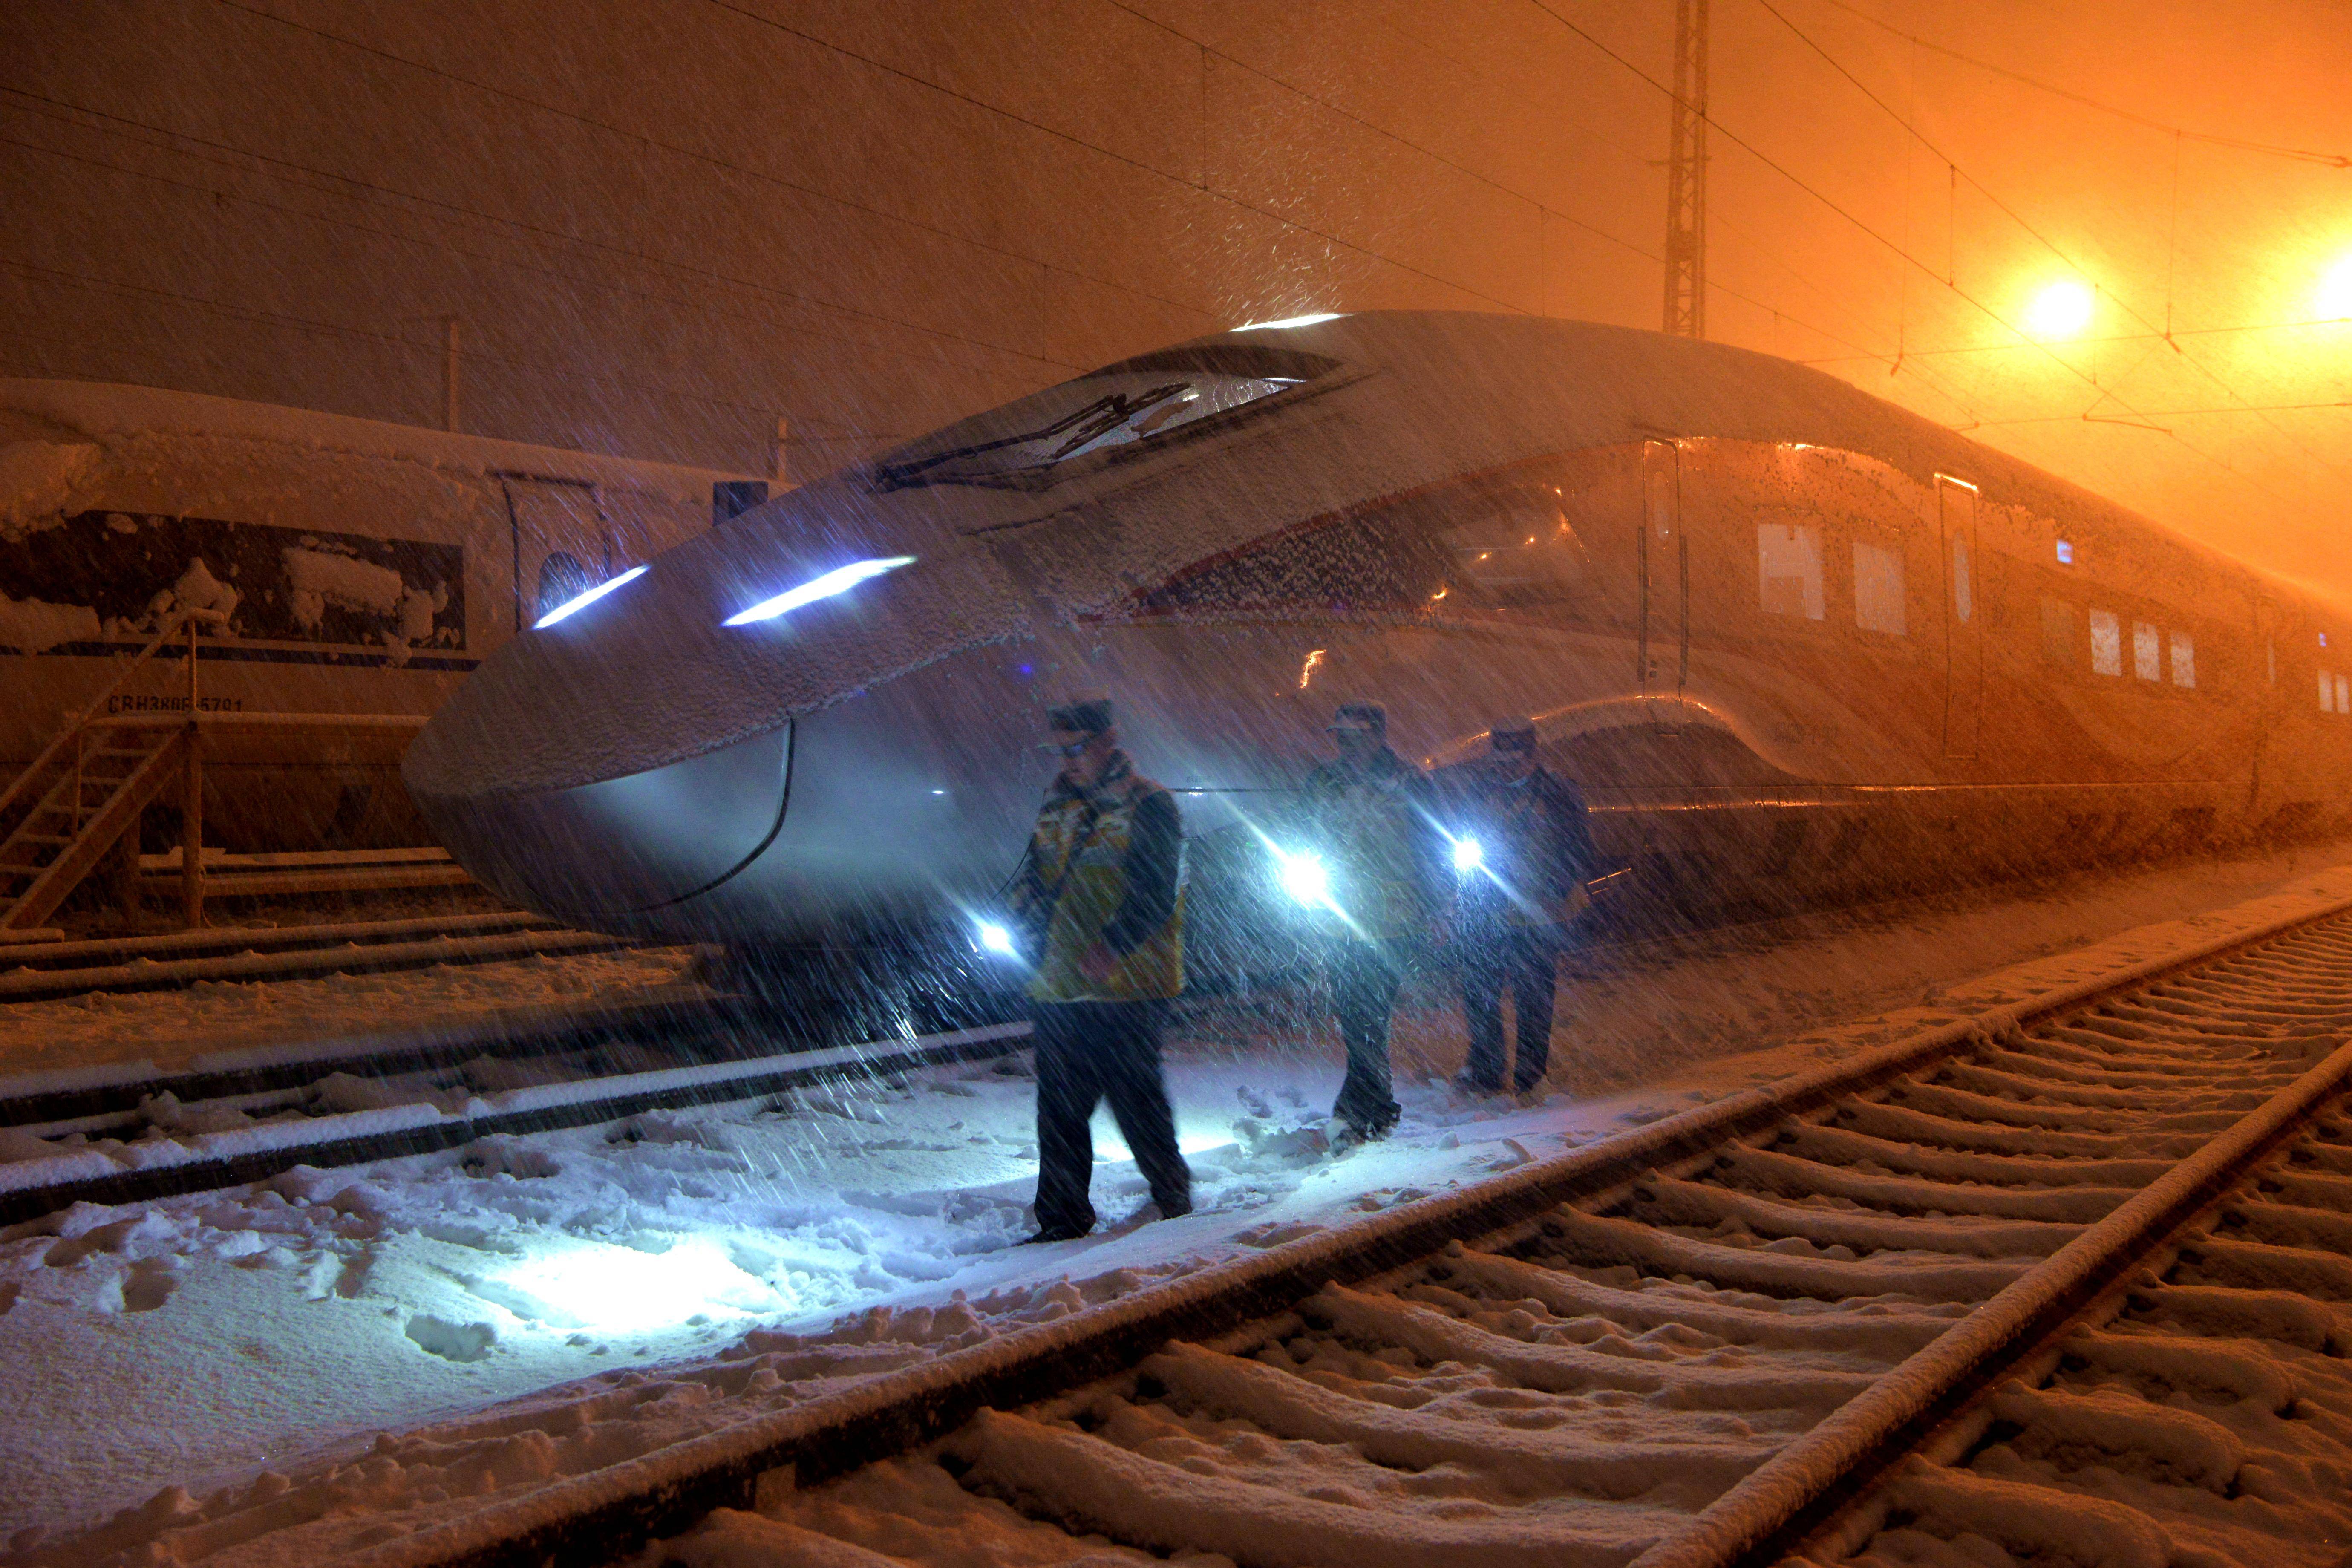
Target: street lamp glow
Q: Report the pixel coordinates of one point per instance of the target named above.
(2334, 296)
(997, 940)
(1467, 855)
(2061, 311)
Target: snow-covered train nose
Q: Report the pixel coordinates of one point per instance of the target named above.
(599, 851)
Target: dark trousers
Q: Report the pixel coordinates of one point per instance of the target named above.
(1364, 981)
(1528, 962)
(1089, 1052)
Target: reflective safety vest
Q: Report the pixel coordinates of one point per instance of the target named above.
(1077, 881)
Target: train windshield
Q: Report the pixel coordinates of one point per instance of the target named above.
(1032, 442)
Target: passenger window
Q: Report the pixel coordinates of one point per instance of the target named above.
(1523, 551)
(2343, 696)
(1788, 569)
(2184, 659)
(2058, 645)
(1878, 588)
(2326, 692)
(2148, 652)
(2106, 642)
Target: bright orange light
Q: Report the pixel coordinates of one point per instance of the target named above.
(2061, 311)
(2334, 296)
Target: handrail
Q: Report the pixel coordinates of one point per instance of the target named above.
(172, 626)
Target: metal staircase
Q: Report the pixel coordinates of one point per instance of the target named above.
(84, 792)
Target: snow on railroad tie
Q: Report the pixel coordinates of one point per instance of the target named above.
(1592, 1375)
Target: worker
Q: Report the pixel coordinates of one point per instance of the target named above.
(1099, 898)
(1372, 822)
(1523, 855)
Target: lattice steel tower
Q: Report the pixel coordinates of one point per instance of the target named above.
(1686, 176)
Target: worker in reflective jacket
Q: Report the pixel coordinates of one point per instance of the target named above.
(1523, 854)
(1101, 897)
(1372, 822)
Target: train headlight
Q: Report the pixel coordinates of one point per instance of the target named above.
(1467, 855)
(582, 601)
(1303, 877)
(840, 580)
(997, 940)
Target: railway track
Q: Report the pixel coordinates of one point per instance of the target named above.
(128, 1137)
(45, 972)
(1692, 1344)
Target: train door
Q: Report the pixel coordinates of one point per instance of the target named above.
(2266, 788)
(1664, 641)
(563, 542)
(1963, 621)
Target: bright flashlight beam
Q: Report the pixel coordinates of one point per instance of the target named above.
(1467, 855)
(995, 938)
(1304, 877)
(2334, 298)
(582, 601)
(838, 581)
(2061, 311)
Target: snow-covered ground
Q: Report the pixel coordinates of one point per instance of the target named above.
(243, 1347)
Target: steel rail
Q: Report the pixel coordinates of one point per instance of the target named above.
(602, 1514)
(217, 941)
(32, 1188)
(33, 1100)
(302, 963)
(1799, 1486)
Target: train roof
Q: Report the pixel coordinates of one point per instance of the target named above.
(1542, 384)
(60, 440)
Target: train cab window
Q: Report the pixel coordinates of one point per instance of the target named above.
(2326, 692)
(2342, 695)
(561, 578)
(1029, 443)
(1963, 589)
(2106, 642)
(1519, 550)
(2059, 645)
(1878, 603)
(1788, 570)
(2147, 651)
(2184, 660)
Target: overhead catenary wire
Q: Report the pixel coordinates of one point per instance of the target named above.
(533, 232)
(1212, 51)
(357, 334)
(1865, 228)
(2041, 239)
(2244, 144)
(802, 301)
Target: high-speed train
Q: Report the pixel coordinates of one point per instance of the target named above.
(361, 567)
(1784, 634)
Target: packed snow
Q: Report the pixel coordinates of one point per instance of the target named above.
(528, 1307)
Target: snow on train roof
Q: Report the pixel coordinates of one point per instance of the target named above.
(62, 442)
